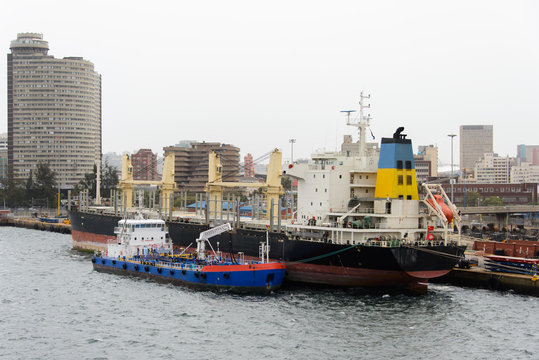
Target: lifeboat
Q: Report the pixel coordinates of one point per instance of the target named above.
(445, 209)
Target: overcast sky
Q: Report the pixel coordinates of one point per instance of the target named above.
(255, 74)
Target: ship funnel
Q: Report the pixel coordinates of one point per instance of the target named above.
(396, 177)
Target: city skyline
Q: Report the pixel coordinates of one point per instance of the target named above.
(257, 78)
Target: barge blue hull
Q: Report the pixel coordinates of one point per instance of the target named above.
(257, 280)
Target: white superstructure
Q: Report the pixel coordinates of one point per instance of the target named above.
(140, 236)
(331, 179)
(336, 199)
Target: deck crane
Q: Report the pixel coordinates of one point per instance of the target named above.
(273, 187)
(205, 235)
(167, 186)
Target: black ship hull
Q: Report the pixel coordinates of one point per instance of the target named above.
(360, 265)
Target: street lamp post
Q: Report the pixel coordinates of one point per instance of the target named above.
(292, 141)
(507, 224)
(452, 180)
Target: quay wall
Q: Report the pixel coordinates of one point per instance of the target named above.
(481, 278)
(36, 224)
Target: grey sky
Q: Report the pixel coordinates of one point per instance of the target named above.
(255, 74)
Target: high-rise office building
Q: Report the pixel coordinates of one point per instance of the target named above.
(191, 164)
(144, 165)
(526, 172)
(54, 112)
(426, 162)
(475, 141)
(493, 169)
(528, 153)
(248, 166)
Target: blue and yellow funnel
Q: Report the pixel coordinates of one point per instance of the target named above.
(396, 177)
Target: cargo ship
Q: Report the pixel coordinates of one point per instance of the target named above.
(359, 221)
(142, 248)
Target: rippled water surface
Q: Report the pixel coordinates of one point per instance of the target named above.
(54, 306)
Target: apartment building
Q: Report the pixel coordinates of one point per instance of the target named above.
(54, 112)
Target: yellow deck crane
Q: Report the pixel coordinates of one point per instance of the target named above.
(273, 187)
(166, 185)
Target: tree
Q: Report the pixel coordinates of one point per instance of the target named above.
(30, 183)
(12, 193)
(286, 182)
(45, 182)
(472, 198)
(89, 182)
(109, 179)
(493, 201)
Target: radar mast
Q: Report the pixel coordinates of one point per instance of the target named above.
(362, 123)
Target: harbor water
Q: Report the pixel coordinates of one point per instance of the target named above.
(54, 306)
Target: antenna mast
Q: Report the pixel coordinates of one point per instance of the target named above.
(362, 124)
(348, 112)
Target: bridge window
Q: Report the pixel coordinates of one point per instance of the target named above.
(409, 197)
(408, 165)
(399, 180)
(408, 179)
(399, 164)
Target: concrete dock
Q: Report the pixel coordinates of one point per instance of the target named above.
(481, 278)
(36, 224)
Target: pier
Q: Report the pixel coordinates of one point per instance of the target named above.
(36, 224)
(481, 278)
